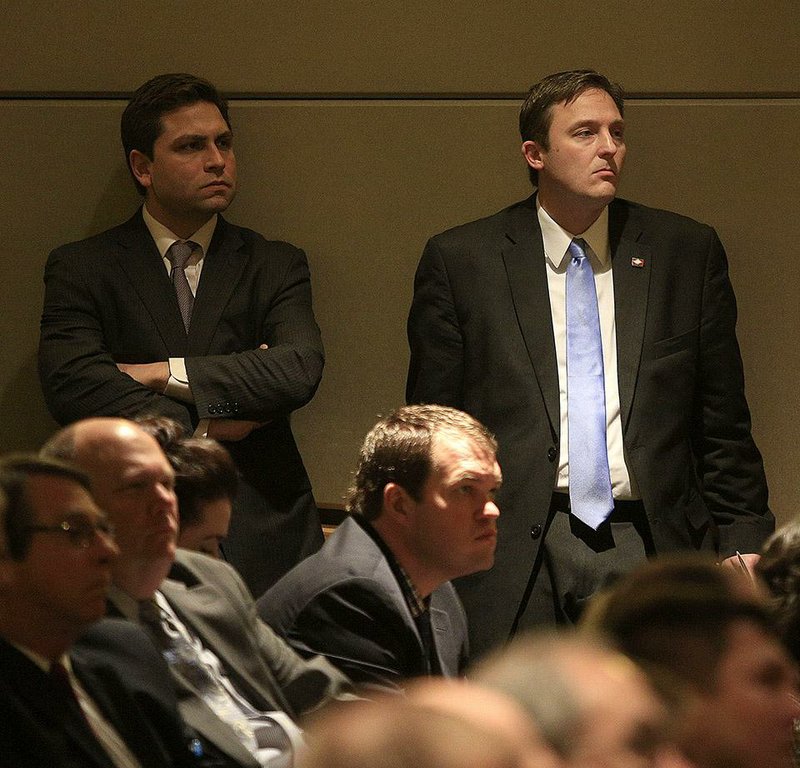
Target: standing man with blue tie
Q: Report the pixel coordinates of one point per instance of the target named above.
(597, 339)
(179, 313)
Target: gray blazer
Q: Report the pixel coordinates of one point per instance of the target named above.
(344, 603)
(212, 600)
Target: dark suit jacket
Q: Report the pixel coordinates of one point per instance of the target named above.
(213, 602)
(345, 603)
(41, 728)
(481, 339)
(109, 300)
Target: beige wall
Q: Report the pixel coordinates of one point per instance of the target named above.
(363, 128)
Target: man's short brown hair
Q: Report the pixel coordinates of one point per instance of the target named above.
(399, 449)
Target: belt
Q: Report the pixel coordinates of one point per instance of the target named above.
(624, 509)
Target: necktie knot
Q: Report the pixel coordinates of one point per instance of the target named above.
(180, 252)
(577, 249)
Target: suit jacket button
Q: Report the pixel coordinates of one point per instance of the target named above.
(536, 531)
(552, 453)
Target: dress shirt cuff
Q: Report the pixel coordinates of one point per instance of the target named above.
(178, 383)
(202, 428)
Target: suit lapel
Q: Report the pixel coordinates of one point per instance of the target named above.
(443, 637)
(197, 607)
(632, 267)
(523, 255)
(222, 269)
(140, 261)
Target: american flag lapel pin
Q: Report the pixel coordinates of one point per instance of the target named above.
(637, 262)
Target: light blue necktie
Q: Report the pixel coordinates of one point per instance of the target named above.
(589, 479)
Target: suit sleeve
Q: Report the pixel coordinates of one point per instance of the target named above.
(266, 384)
(728, 462)
(352, 625)
(306, 684)
(78, 373)
(436, 369)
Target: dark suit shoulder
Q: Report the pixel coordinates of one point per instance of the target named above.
(256, 244)
(101, 241)
(487, 227)
(632, 214)
(348, 561)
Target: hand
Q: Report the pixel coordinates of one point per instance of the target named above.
(742, 562)
(152, 375)
(232, 430)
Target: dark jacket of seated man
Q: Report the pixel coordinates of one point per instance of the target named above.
(125, 677)
(350, 603)
(376, 600)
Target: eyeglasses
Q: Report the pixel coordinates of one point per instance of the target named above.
(79, 532)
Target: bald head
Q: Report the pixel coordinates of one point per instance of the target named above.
(488, 709)
(396, 733)
(133, 483)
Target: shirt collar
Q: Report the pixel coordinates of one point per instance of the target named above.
(164, 237)
(416, 604)
(556, 239)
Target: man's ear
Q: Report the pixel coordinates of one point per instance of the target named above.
(397, 502)
(532, 153)
(140, 166)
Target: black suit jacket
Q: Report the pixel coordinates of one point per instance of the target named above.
(123, 674)
(109, 300)
(344, 602)
(481, 338)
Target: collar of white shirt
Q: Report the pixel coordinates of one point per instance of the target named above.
(556, 239)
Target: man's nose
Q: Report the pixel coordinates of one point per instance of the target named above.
(215, 158)
(490, 509)
(608, 146)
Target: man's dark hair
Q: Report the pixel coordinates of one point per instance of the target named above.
(16, 471)
(141, 121)
(536, 113)
(399, 449)
(204, 470)
(673, 615)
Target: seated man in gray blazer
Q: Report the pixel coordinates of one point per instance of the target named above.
(376, 599)
(240, 686)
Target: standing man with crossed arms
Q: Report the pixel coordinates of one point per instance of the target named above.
(597, 339)
(178, 313)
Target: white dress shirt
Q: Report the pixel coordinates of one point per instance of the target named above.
(556, 242)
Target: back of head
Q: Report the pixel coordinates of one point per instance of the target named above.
(592, 705)
(394, 733)
(674, 612)
(399, 449)
(779, 569)
(140, 125)
(488, 708)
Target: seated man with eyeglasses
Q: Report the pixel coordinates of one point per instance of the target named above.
(63, 705)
